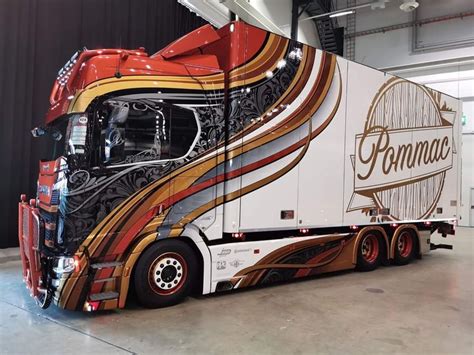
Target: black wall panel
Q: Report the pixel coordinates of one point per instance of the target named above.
(36, 38)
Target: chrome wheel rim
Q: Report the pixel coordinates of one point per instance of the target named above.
(167, 273)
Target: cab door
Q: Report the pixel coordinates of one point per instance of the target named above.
(194, 191)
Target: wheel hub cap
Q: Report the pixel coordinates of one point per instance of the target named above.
(370, 248)
(167, 273)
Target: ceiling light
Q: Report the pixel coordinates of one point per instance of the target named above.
(380, 4)
(343, 13)
(409, 5)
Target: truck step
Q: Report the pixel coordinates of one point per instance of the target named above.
(110, 295)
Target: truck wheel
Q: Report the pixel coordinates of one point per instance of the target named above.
(44, 299)
(369, 252)
(164, 274)
(404, 247)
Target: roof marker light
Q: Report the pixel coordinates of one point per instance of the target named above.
(281, 64)
(342, 13)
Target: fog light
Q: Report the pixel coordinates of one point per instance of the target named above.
(66, 264)
(92, 306)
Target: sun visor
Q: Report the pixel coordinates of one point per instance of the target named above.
(198, 38)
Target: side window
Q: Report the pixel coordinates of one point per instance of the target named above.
(137, 131)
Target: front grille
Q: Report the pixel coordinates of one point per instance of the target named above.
(25, 230)
(36, 231)
(48, 217)
(49, 237)
(55, 197)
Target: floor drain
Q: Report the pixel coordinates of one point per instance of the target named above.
(374, 290)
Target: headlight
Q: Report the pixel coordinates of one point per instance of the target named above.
(66, 264)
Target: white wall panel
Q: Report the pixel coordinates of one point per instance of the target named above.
(321, 172)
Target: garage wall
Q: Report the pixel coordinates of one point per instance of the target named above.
(279, 12)
(395, 48)
(36, 39)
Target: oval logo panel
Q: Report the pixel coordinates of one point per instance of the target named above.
(401, 158)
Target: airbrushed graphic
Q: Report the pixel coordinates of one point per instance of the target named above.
(300, 259)
(279, 146)
(121, 206)
(402, 157)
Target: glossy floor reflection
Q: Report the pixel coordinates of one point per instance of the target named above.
(424, 307)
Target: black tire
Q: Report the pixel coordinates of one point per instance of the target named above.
(368, 261)
(44, 299)
(172, 260)
(404, 247)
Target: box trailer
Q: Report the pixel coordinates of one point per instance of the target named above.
(231, 158)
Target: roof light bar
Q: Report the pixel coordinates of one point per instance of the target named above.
(343, 13)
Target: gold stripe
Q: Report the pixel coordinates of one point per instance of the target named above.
(128, 267)
(85, 97)
(261, 59)
(233, 153)
(247, 81)
(208, 82)
(256, 185)
(264, 137)
(229, 197)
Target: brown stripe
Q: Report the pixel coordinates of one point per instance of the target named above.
(144, 207)
(275, 256)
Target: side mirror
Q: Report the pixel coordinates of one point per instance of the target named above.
(56, 135)
(38, 132)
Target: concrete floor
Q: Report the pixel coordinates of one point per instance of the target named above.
(424, 307)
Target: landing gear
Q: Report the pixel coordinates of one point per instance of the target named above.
(165, 273)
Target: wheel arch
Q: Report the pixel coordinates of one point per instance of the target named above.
(362, 232)
(397, 232)
(190, 236)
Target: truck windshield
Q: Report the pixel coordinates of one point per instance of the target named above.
(65, 136)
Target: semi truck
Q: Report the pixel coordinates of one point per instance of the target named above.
(233, 157)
